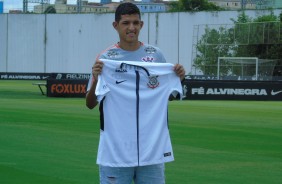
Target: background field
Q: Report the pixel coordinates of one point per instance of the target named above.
(54, 140)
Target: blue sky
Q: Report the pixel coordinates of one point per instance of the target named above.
(18, 4)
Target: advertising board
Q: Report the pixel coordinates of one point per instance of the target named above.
(232, 90)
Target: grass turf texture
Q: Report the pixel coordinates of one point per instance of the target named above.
(54, 140)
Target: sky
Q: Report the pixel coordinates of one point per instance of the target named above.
(18, 4)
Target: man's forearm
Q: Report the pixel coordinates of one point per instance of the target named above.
(91, 98)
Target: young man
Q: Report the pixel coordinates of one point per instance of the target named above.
(121, 157)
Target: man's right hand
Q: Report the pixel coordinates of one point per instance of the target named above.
(97, 69)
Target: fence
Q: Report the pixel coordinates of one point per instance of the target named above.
(69, 43)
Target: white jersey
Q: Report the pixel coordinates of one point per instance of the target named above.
(133, 99)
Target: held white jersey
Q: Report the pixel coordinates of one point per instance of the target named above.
(133, 99)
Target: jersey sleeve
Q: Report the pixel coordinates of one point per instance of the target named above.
(176, 87)
(89, 82)
(101, 89)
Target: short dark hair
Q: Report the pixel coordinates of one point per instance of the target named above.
(126, 9)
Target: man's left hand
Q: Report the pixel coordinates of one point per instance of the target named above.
(180, 71)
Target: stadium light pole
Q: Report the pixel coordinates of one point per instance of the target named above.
(78, 4)
(244, 3)
(25, 5)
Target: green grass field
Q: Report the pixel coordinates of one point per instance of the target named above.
(54, 140)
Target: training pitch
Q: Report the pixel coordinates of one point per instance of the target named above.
(55, 140)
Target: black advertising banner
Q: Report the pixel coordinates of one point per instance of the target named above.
(42, 76)
(232, 90)
(66, 88)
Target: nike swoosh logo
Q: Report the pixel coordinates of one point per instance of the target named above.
(118, 82)
(275, 93)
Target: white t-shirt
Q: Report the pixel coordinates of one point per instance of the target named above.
(133, 99)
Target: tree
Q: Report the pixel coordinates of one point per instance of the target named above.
(50, 9)
(213, 44)
(259, 37)
(193, 5)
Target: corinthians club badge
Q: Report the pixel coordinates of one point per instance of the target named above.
(153, 82)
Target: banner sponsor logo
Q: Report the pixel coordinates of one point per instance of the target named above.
(68, 88)
(71, 76)
(275, 92)
(28, 77)
(23, 76)
(228, 91)
(59, 76)
(77, 76)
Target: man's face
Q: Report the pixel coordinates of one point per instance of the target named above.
(128, 28)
